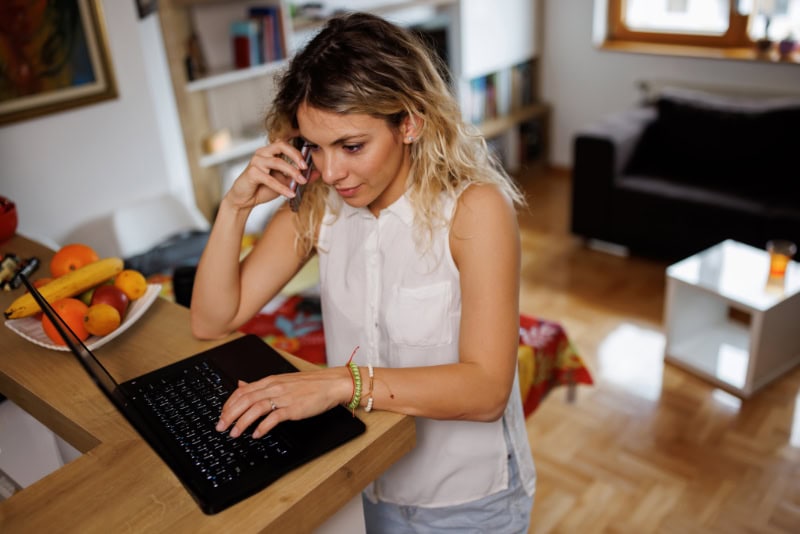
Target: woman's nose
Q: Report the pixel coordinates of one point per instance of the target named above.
(332, 168)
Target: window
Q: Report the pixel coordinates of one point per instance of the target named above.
(709, 23)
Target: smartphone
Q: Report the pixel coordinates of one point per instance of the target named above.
(298, 188)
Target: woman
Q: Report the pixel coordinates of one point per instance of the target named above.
(418, 246)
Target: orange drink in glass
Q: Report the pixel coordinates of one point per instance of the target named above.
(780, 252)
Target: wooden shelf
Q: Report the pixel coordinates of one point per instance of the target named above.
(240, 148)
(226, 77)
(493, 127)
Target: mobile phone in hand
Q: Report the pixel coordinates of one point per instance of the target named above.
(298, 188)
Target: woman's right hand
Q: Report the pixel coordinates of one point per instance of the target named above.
(267, 175)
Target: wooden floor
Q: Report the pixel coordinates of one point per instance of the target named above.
(649, 448)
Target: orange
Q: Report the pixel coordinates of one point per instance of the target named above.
(39, 282)
(132, 283)
(101, 319)
(72, 311)
(71, 257)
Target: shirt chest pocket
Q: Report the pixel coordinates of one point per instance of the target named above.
(420, 316)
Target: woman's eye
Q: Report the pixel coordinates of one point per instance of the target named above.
(353, 148)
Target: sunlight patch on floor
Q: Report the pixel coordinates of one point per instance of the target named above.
(632, 358)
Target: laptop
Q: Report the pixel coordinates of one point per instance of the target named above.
(175, 409)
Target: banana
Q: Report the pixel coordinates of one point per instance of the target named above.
(68, 285)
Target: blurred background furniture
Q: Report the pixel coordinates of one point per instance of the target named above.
(688, 170)
(139, 226)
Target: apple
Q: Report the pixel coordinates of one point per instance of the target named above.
(87, 295)
(105, 294)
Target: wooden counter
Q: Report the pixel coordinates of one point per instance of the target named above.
(119, 484)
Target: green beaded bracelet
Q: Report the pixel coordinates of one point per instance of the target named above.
(356, 375)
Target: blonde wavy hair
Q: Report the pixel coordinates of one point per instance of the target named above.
(360, 63)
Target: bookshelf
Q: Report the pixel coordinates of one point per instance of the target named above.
(505, 106)
(225, 97)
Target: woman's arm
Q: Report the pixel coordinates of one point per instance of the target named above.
(226, 292)
(484, 240)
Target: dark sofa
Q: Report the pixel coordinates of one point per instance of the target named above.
(689, 170)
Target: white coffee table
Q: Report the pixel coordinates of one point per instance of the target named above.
(726, 323)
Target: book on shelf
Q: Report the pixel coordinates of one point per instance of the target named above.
(487, 99)
(246, 49)
(522, 85)
(490, 107)
(270, 31)
(503, 87)
(477, 99)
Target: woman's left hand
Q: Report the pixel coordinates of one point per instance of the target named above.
(282, 397)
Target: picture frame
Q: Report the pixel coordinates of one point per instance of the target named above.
(56, 58)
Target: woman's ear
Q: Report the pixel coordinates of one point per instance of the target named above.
(411, 128)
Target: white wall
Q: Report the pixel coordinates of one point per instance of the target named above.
(582, 83)
(70, 167)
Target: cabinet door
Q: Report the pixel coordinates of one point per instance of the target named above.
(496, 34)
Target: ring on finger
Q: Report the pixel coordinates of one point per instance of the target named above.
(272, 403)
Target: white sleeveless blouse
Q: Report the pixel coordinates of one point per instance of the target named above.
(403, 309)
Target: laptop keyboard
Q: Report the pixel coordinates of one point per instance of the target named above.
(189, 405)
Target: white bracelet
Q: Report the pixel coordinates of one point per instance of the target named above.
(371, 382)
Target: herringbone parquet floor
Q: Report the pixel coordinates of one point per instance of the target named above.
(649, 448)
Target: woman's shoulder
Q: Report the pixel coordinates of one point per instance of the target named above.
(481, 199)
(485, 220)
(482, 209)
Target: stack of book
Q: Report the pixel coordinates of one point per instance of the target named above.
(259, 38)
(500, 93)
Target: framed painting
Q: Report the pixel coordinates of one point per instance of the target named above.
(53, 56)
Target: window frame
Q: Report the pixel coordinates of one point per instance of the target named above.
(736, 35)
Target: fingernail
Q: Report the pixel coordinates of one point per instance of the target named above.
(220, 426)
(256, 434)
(235, 432)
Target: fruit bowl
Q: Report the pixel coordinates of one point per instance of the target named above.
(30, 328)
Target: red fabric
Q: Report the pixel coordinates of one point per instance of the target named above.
(555, 361)
(296, 327)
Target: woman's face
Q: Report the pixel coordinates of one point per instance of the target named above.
(365, 160)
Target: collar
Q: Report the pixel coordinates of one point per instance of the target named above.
(401, 208)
